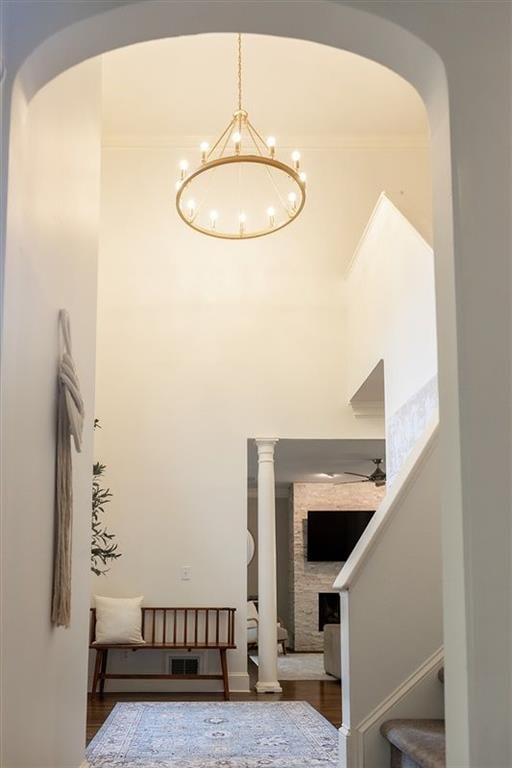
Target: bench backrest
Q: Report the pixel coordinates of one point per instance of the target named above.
(184, 627)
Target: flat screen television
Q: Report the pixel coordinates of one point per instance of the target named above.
(331, 536)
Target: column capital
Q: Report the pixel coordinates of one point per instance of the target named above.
(266, 447)
(266, 441)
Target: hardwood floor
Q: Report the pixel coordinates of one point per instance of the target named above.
(323, 695)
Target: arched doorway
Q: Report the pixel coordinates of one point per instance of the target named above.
(85, 31)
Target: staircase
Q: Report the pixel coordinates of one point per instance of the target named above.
(391, 608)
(416, 743)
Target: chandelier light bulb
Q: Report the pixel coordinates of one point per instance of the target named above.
(271, 213)
(237, 139)
(303, 177)
(204, 147)
(296, 158)
(191, 205)
(271, 144)
(183, 168)
(214, 215)
(292, 199)
(242, 217)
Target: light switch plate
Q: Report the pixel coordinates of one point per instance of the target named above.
(186, 573)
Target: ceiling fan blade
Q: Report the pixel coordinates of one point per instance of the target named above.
(357, 474)
(352, 482)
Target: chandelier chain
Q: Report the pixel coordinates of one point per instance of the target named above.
(239, 71)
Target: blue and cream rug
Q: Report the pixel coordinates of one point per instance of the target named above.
(214, 735)
(299, 666)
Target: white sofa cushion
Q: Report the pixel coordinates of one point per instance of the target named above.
(118, 620)
(252, 611)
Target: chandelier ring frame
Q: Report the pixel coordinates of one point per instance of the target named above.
(269, 162)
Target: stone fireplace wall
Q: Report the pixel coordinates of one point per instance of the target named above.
(307, 580)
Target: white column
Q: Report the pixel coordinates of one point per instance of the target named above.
(267, 569)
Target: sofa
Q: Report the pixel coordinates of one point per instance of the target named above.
(332, 650)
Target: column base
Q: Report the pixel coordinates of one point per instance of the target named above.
(268, 688)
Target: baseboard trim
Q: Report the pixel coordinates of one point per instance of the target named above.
(425, 669)
(238, 683)
(268, 688)
(352, 740)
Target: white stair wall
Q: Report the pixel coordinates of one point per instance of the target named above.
(391, 611)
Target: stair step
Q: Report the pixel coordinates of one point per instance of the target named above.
(422, 741)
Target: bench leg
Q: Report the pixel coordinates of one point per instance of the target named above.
(104, 656)
(224, 666)
(97, 667)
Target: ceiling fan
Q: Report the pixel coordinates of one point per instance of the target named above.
(378, 476)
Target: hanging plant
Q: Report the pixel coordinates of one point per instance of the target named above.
(103, 548)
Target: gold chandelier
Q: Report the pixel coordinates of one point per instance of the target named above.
(240, 190)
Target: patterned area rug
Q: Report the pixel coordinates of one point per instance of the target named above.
(300, 666)
(214, 735)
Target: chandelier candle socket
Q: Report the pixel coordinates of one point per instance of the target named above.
(240, 182)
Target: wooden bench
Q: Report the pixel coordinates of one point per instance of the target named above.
(165, 629)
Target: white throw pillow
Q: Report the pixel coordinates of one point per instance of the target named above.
(252, 611)
(118, 619)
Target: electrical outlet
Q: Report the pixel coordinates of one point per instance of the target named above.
(186, 573)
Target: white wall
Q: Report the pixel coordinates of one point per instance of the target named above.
(391, 316)
(53, 244)
(202, 343)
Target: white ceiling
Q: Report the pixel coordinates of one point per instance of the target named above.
(309, 461)
(187, 86)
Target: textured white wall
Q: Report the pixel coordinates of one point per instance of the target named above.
(54, 241)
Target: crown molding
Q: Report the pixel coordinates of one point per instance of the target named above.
(311, 143)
